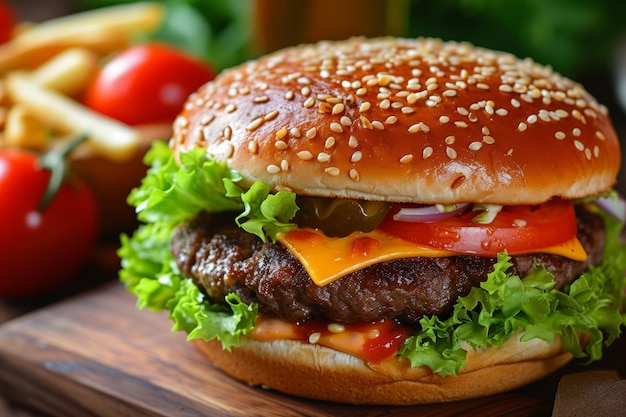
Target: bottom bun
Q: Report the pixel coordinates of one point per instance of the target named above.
(316, 372)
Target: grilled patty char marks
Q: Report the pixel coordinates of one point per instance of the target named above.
(221, 258)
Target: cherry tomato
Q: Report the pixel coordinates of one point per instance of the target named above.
(146, 83)
(39, 251)
(7, 21)
(518, 229)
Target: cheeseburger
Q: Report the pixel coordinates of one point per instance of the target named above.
(385, 221)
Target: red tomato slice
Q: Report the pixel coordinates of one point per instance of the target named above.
(516, 229)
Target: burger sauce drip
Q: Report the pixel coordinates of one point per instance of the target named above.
(372, 342)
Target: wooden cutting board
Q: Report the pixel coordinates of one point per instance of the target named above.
(97, 355)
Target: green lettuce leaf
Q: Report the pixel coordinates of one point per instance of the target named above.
(172, 193)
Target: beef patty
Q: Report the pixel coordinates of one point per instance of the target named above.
(221, 258)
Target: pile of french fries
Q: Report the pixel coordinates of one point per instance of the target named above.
(46, 67)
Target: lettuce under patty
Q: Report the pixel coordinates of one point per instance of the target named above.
(503, 305)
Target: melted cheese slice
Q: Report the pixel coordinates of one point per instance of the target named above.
(327, 259)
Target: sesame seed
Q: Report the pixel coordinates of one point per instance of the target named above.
(406, 159)
(450, 93)
(579, 145)
(385, 104)
(281, 133)
(502, 112)
(253, 147)
(576, 131)
(336, 328)
(460, 123)
(207, 119)
(227, 133)
(333, 171)
(361, 91)
(330, 142)
(451, 152)
(338, 108)
(336, 127)
(356, 156)
(391, 120)
(273, 169)
(314, 337)
(311, 133)
(600, 135)
(325, 107)
(482, 86)
(254, 125)
(544, 115)
(596, 151)
(289, 95)
(345, 121)
(444, 119)
(531, 119)
(378, 125)
(365, 106)
(485, 130)
(280, 144)
(230, 108)
(295, 132)
(522, 126)
(488, 140)
(261, 99)
(305, 91)
(366, 122)
(354, 175)
(284, 165)
(515, 102)
(474, 146)
(270, 116)
(305, 155)
(353, 142)
(427, 152)
(449, 140)
(309, 102)
(462, 111)
(588, 153)
(323, 157)
(559, 135)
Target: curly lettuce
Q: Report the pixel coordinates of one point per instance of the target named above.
(488, 316)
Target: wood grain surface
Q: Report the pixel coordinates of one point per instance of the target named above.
(95, 354)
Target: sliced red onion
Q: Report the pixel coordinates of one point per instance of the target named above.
(615, 206)
(435, 212)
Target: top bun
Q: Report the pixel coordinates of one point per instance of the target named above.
(406, 120)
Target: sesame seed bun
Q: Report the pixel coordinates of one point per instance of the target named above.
(313, 371)
(410, 120)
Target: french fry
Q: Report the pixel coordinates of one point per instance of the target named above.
(69, 72)
(24, 130)
(101, 30)
(108, 137)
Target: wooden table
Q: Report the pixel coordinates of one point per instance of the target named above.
(95, 354)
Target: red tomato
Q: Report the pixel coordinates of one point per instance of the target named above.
(7, 21)
(41, 251)
(518, 229)
(146, 83)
